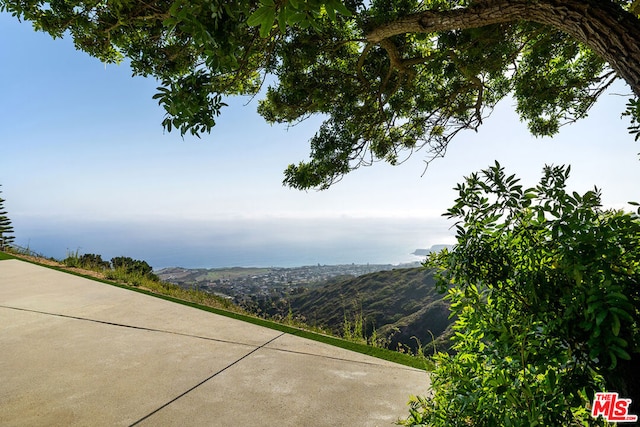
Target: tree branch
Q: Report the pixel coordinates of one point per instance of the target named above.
(602, 25)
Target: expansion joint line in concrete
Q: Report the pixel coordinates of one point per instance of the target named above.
(122, 325)
(143, 328)
(205, 380)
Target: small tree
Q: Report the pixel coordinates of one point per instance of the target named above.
(133, 266)
(546, 287)
(6, 230)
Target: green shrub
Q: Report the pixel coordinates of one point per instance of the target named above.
(133, 266)
(545, 285)
(86, 261)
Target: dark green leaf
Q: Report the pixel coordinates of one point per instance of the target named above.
(264, 15)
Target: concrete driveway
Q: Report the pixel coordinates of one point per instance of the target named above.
(79, 352)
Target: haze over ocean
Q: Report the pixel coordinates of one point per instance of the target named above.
(275, 242)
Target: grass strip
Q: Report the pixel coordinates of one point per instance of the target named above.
(4, 255)
(380, 353)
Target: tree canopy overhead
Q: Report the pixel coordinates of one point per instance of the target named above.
(388, 76)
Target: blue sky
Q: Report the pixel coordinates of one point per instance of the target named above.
(86, 166)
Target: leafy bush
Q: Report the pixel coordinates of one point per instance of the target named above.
(134, 267)
(87, 261)
(545, 286)
(140, 274)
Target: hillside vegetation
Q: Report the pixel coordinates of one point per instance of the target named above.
(399, 309)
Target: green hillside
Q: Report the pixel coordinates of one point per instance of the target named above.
(397, 304)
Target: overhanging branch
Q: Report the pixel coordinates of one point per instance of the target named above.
(602, 25)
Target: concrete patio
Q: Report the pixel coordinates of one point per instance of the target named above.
(74, 351)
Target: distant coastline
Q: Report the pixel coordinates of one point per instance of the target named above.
(434, 248)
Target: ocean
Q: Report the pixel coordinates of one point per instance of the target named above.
(255, 243)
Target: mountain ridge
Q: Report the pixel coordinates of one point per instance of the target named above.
(401, 308)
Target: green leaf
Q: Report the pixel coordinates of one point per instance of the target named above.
(331, 12)
(616, 296)
(267, 24)
(614, 360)
(615, 325)
(617, 341)
(551, 379)
(620, 352)
(264, 14)
(341, 8)
(621, 313)
(600, 317)
(295, 18)
(282, 22)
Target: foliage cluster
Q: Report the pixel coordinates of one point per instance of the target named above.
(132, 266)
(546, 287)
(139, 273)
(353, 326)
(118, 268)
(387, 76)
